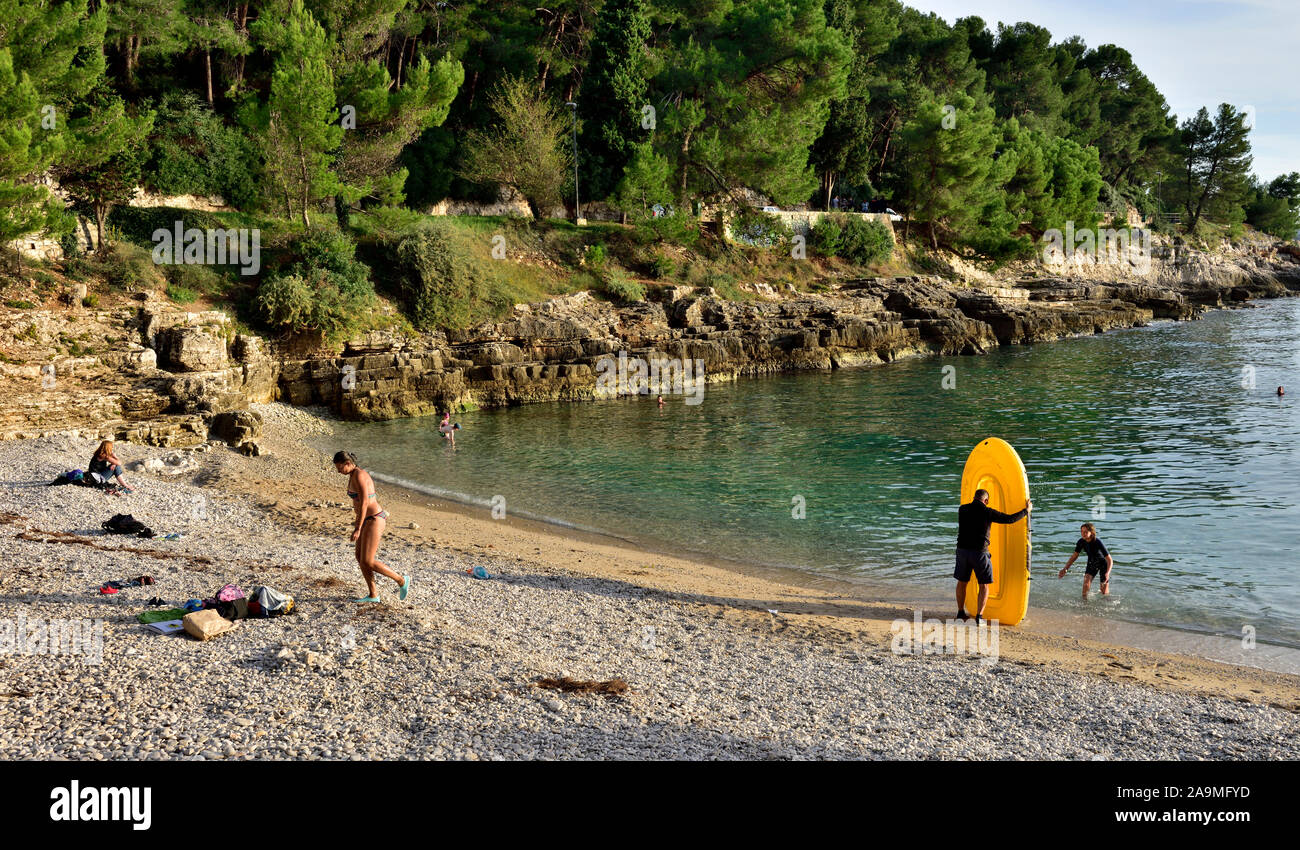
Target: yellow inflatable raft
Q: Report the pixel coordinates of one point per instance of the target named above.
(994, 466)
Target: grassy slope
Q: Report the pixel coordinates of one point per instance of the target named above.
(542, 260)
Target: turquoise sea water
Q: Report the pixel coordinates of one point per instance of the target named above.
(1191, 475)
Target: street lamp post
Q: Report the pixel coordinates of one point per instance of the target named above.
(577, 207)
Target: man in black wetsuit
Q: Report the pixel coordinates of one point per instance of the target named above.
(973, 522)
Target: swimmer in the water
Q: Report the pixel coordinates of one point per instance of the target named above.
(447, 429)
(661, 400)
(1281, 391)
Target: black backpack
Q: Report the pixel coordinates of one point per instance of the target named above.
(235, 609)
(127, 524)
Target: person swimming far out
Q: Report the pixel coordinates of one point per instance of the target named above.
(1099, 559)
(974, 519)
(447, 429)
(368, 528)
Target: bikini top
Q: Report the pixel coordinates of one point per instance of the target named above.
(352, 495)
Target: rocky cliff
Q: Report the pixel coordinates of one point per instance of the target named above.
(167, 374)
(553, 350)
(149, 374)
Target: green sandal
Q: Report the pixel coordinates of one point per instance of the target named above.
(406, 585)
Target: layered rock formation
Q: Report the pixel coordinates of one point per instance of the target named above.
(152, 375)
(169, 377)
(554, 350)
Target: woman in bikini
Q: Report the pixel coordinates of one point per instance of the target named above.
(370, 523)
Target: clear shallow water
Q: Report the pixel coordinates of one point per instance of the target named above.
(1199, 475)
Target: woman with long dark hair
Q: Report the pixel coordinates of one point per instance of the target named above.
(371, 520)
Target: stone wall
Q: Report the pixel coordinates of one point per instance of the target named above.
(802, 222)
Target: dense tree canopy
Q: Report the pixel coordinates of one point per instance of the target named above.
(981, 136)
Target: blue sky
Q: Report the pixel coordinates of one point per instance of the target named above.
(1197, 52)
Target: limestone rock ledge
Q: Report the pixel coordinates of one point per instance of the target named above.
(173, 378)
(553, 351)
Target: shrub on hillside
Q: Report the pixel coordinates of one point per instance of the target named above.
(826, 235)
(311, 302)
(194, 152)
(864, 242)
(198, 279)
(332, 251)
(663, 267)
(181, 294)
(434, 278)
(678, 228)
(594, 257)
(760, 230)
(617, 284)
(130, 268)
(318, 286)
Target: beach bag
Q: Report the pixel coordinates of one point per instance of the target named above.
(125, 524)
(235, 609)
(229, 593)
(269, 602)
(70, 477)
(206, 625)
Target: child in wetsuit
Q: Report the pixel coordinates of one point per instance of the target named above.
(1099, 560)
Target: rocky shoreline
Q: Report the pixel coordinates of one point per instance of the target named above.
(168, 374)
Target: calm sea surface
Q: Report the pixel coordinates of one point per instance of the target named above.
(1170, 438)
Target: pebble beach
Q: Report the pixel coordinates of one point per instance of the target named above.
(468, 669)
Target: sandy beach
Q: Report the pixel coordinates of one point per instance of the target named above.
(458, 669)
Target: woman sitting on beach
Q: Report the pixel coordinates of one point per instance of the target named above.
(370, 523)
(106, 464)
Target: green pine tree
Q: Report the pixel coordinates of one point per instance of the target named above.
(300, 121)
(947, 160)
(1216, 165)
(614, 93)
(105, 156)
(50, 55)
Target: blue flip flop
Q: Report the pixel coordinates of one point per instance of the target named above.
(406, 585)
(367, 599)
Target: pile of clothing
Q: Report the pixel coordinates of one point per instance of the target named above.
(88, 479)
(114, 586)
(207, 618)
(126, 524)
